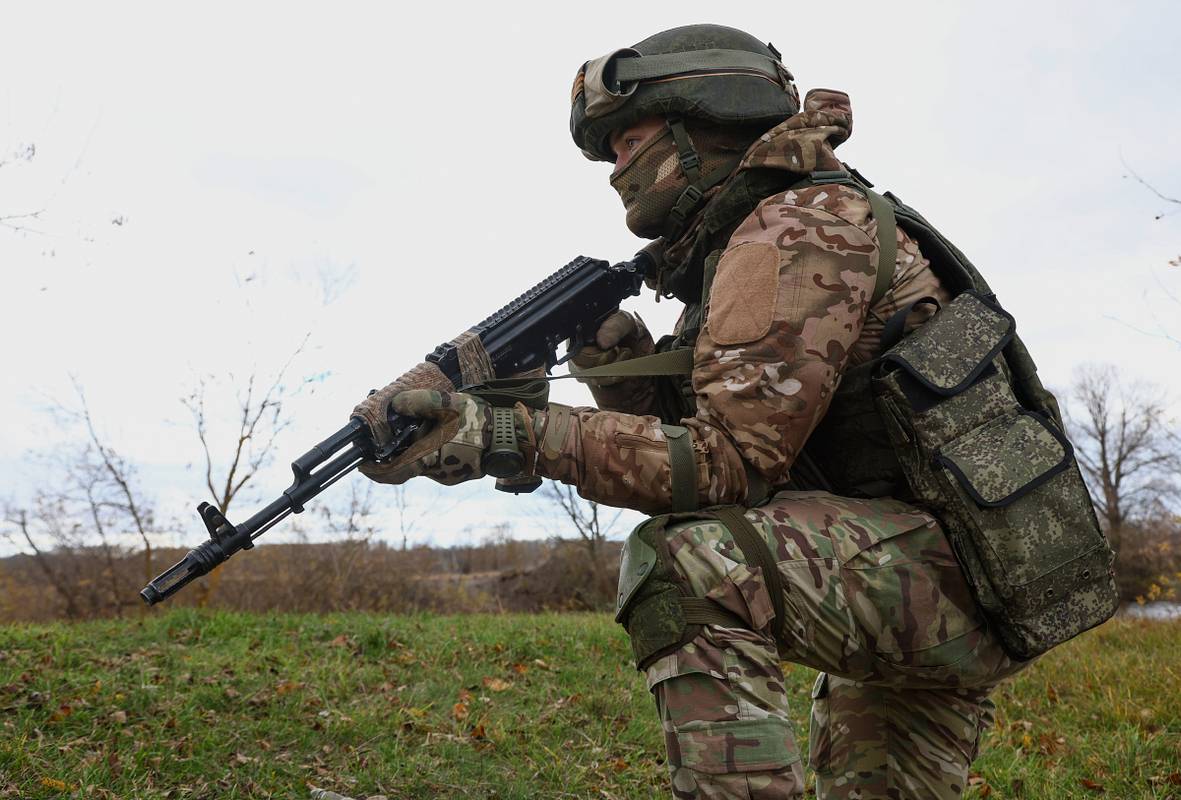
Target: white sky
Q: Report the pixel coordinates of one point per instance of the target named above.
(422, 157)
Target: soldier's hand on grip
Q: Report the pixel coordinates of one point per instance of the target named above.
(455, 447)
(621, 336)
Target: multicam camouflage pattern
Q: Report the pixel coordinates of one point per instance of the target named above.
(875, 599)
(722, 708)
(451, 451)
(373, 409)
(758, 400)
(862, 733)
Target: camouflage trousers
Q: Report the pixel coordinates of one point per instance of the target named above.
(875, 600)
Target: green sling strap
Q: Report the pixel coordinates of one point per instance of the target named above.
(671, 362)
(882, 210)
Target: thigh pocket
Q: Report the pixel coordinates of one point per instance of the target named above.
(905, 587)
(724, 708)
(820, 728)
(741, 745)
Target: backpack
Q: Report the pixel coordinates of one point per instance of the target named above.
(952, 418)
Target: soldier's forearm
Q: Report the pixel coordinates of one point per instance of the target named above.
(623, 459)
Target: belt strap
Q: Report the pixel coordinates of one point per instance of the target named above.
(702, 611)
(683, 467)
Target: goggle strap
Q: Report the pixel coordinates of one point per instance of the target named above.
(662, 65)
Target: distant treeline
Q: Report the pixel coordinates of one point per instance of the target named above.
(511, 575)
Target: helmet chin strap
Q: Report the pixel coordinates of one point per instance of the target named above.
(690, 199)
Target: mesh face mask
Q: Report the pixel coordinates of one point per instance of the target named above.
(650, 184)
(652, 181)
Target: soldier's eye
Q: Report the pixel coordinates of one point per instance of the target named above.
(631, 142)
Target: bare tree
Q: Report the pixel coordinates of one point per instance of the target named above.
(1126, 446)
(75, 527)
(1175, 203)
(107, 480)
(1164, 198)
(230, 467)
(21, 221)
(411, 512)
(588, 518)
(24, 523)
(352, 521)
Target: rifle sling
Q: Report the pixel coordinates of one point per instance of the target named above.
(672, 362)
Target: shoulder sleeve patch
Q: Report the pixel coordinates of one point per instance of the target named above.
(742, 298)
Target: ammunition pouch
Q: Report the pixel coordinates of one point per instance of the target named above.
(1002, 478)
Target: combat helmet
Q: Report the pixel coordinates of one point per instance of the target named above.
(706, 73)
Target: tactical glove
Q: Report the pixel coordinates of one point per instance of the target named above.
(621, 336)
(454, 448)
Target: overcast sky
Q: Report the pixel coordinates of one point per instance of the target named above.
(217, 183)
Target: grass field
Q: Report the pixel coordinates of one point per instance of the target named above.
(195, 705)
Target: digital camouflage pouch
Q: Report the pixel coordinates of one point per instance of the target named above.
(1003, 478)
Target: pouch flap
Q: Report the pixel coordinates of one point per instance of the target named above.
(1007, 458)
(958, 343)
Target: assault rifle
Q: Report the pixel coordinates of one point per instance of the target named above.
(522, 336)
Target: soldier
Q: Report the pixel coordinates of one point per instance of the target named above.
(788, 539)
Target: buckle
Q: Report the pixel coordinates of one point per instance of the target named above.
(830, 176)
(686, 202)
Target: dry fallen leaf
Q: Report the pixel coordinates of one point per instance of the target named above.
(497, 685)
(459, 711)
(1098, 788)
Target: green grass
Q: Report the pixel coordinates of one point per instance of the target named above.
(214, 705)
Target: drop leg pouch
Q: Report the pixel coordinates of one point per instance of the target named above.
(1002, 478)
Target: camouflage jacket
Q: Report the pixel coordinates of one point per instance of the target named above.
(787, 312)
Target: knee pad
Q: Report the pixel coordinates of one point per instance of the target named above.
(655, 604)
